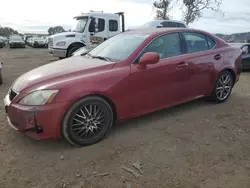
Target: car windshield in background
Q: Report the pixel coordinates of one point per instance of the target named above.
(151, 24)
(16, 38)
(80, 24)
(119, 47)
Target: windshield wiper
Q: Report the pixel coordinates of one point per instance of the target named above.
(100, 57)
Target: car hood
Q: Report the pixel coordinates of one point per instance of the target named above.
(70, 67)
(63, 34)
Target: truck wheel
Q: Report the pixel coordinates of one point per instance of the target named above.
(72, 50)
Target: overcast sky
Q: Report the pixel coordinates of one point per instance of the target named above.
(37, 16)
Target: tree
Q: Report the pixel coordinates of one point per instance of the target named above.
(7, 31)
(54, 30)
(248, 41)
(162, 12)
(194, 8)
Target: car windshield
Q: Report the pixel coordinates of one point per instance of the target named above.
(119, 47)
(80, 24)
(16, 38)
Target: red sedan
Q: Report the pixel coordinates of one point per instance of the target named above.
(130, 74)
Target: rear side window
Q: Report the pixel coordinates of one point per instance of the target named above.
(180, 25)
(113, 25)
(169, 24)
(197, 42)
(210, 43)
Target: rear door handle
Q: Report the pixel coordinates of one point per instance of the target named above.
(217, 57)
(181, 65)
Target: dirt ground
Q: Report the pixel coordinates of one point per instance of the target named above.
(195, 145)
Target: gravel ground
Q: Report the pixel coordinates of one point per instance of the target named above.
(195, 145)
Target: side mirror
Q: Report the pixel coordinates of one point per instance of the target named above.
(149, 58)
(159, 26)
(245, 50)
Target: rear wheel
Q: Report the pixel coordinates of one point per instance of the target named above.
(87, 121)
(223, 87)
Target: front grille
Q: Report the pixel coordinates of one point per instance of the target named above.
(50, 42)
(12, 94)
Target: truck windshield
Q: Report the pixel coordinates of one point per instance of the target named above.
(80, 24)
(119, 47)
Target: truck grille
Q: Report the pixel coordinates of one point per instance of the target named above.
(50, 42)
(12, 94)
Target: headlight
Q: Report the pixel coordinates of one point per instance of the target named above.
(39, 97)
(60, 43)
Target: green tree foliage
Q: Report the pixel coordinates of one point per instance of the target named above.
(162, 12)
(56, 29)
(7, 31)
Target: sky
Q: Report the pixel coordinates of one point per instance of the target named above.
(37, 16)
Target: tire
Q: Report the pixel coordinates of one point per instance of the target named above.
(72, 50)
(226, 89)
(79, 125)
(1, 79)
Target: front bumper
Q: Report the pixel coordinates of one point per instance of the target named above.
(38, 122)
(39, 44)
(58, 52)
(17, 44)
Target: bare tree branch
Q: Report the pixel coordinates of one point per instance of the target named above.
(163, 9)
(194, 9)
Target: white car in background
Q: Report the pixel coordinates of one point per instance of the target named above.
(38, 42)
(163, 23)
(2, 42)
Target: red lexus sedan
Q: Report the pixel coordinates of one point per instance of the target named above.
(128, 75)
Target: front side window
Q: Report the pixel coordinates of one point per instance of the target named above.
(101, 24)
(196, 42)
(97, 25)
(118, 47)
(113, 25)
(166, 46)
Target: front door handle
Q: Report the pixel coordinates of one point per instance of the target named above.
(217, 57)
(181, 65)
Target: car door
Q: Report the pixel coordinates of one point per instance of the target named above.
(245, 59)
(100, 31)
(159, 85)
(202, 61)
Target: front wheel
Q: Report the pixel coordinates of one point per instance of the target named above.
(72, 50)
(223, 87)
(87, 121)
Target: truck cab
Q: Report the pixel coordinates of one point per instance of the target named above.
(89, 30)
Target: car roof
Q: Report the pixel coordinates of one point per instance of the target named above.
(159, 31)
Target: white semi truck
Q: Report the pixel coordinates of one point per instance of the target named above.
(90, 30)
